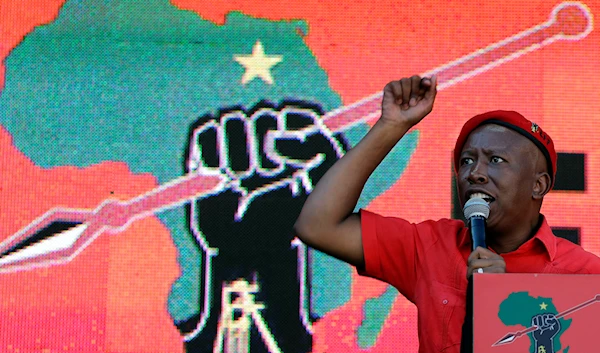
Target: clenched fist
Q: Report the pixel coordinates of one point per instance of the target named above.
(409, 100)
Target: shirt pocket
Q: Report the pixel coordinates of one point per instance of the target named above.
(449, 305)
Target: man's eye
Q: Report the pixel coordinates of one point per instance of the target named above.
(466, 161)
(497, 159)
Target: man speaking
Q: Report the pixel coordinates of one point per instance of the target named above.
(500, 157)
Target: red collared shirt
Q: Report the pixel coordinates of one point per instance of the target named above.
(427, 263)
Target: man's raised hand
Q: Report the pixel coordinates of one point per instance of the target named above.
(408, 101)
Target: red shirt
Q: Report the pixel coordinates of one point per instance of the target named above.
(427, 263)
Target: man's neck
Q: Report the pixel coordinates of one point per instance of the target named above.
(504, 242)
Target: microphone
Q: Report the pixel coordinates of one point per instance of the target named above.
(476, 212)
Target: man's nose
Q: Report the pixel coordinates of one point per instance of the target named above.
(478, 173)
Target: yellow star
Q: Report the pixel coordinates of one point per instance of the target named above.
(543, 306)
(258, 64)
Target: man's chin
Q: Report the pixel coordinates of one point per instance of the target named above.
(492, 225)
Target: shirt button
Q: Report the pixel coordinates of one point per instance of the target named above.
(445, 301)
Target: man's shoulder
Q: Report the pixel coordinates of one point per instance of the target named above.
(444, 224)
(449, 222)
(567, 248)
(446, 232)
(575, 258)
(425, 229)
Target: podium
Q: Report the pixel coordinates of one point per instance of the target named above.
(539, 313)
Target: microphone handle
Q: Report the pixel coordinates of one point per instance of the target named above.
(478, 231)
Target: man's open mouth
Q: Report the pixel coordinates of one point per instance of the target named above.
(487, 198)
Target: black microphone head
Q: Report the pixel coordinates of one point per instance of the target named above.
(476, 207)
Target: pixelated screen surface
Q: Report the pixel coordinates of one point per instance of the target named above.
(155, 154)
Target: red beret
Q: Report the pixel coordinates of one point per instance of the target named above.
(516, 122)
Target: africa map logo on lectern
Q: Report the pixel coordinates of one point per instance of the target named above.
(522, 309)
(543, 322)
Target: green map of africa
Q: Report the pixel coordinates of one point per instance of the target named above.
(520, 307)
(123, 81)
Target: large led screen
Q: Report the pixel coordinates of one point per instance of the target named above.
(155, 154)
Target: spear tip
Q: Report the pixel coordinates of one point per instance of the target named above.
(509, 338)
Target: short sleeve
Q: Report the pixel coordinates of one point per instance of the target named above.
(390, 248)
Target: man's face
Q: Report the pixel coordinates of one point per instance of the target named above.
(499, 165)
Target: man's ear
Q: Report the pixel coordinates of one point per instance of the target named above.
(541, 185)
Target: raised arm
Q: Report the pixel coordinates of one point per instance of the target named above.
(327, 222)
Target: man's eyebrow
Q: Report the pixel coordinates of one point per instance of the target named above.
(496, 149)
(467, 151)
(488, 151)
